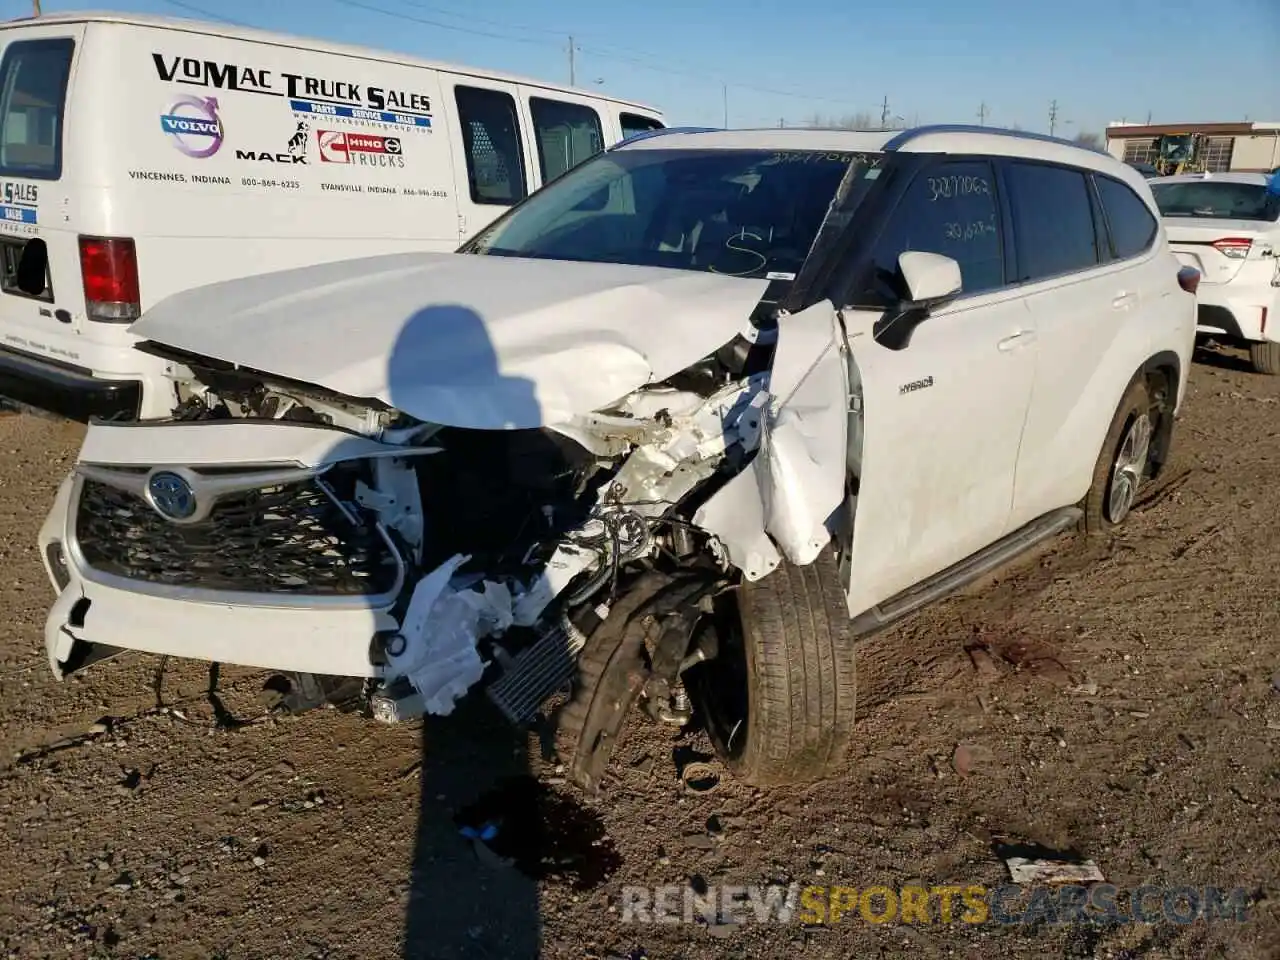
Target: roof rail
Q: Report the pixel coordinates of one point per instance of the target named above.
(906, 136)
(649, 134)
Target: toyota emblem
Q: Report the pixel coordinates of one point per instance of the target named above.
(171, 496)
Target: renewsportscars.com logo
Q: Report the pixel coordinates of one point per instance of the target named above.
(365, 149)
(194, 126)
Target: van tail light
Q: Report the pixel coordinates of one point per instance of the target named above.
(1189, 279)
(1237, 248)
(109, 266)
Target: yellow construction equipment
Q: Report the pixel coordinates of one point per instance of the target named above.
(1180, 153)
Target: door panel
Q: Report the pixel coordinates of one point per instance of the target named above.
(942, 417)
(1082, 301)
(942, 423)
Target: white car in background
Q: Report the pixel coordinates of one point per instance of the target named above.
(1227, 226)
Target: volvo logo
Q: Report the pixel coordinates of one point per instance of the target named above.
(171, 496)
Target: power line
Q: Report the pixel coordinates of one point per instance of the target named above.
(462, 15)
(606, 52)
(357, 4)
(179, 4)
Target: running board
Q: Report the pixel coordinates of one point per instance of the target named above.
(965, 572)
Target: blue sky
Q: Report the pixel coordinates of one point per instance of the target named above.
(935, 60)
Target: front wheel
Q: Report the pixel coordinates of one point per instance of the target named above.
(1124, 463)
(778, 699)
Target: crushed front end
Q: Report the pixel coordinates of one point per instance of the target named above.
(278, 526)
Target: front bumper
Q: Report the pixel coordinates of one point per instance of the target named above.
(99, 612)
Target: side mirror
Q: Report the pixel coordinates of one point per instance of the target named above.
(929, 278)
(927, 281)
(33, 267)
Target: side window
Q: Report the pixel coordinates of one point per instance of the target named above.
(33, 89)
(567, 134)
(634, 123)
(491, 138)
(1052, 219)
(951, 209)
(1133, 228)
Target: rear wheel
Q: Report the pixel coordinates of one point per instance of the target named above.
(1124, 463)
(778, 700)
(1265, 357)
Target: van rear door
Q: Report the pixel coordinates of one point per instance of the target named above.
(36, 78)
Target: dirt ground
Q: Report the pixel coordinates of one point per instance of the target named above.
(1119, 699)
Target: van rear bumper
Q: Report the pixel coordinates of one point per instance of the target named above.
(68, 391)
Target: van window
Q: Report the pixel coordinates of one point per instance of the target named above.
(950, 209)
(33, 88)
(1132, 226)
(491, 138)
(567, 134)
(1052, 219)
(634, 123)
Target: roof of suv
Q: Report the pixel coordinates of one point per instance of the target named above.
(952, 139)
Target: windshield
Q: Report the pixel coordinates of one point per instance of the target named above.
(1221, 200)
(744, 213)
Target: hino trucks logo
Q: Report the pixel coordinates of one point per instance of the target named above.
(193, 125)
(365, 149)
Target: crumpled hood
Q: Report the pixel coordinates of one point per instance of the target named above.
(470, 341)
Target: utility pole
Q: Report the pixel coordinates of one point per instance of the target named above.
(1053, 116)
(724, 92)
(884, 113)
(982, 114)
(35, 8)
(1148, 118)
(573, 77)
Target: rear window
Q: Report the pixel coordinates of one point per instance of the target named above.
(33, 89)
(1217, 200)
(1133, 228)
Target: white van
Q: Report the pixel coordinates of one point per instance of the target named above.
(146, 156)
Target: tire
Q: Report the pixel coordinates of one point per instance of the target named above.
(1265, 357)
(792, 643)
(1100, 506)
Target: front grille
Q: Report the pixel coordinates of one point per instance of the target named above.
(291, 539)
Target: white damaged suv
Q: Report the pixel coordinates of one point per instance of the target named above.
(679, 430)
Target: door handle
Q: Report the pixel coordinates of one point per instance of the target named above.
(1016, 340)
(1123, 300)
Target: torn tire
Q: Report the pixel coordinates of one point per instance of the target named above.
(612, 672)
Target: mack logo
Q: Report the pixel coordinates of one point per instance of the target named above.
(269, 157)
(915, 385)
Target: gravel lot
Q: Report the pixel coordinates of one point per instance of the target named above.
(1120, 699)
